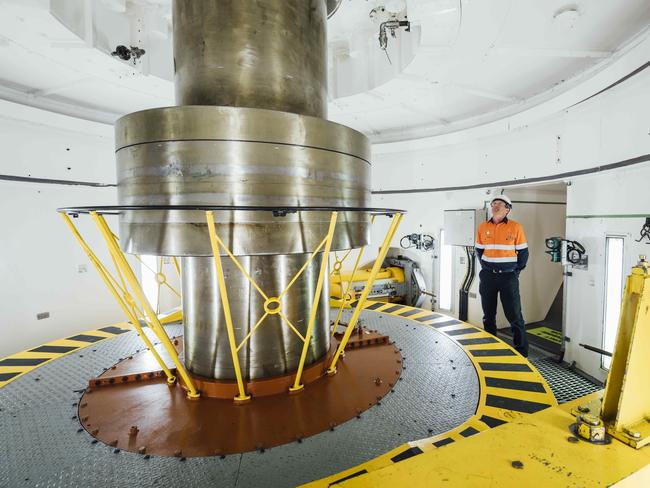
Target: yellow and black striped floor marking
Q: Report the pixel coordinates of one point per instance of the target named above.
(510, 387)
(16, 365)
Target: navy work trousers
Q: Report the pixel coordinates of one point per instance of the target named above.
(507, 286)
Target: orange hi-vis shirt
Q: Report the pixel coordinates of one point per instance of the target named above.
(502, 247)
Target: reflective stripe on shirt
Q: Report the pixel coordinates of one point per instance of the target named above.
(500, 247)
(507, 259)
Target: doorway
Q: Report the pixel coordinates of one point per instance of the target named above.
(541, 209)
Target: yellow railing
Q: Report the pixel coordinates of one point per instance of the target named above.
(129, 294)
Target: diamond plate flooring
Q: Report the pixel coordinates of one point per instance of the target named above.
(42, 443)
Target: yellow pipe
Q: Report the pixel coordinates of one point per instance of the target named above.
(129, 313)
(153, 321)
(314, 307)
(397, 218)
(214, 241)
(363, 274)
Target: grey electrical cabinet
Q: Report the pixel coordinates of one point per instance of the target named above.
(461, 225)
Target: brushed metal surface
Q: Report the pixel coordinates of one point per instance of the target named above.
(231, 156)
(243, 53)
(273, 349)
(291, 234)
(238, 123)
(263, 180)
(251, 79)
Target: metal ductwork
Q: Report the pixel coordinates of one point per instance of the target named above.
(249, 129)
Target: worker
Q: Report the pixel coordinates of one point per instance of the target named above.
(503, 252)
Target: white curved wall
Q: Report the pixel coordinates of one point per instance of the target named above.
(39, 258)
(611, 127)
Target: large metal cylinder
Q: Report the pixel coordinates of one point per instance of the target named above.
(274, 349)
(251, 80)
(260, 54)
(203, 155)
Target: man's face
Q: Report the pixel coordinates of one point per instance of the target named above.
(499, 209)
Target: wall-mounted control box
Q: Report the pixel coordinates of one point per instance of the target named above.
(461, 226)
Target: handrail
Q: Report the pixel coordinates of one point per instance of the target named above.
(277, 210)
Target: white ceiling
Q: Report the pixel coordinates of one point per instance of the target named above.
(466, 62)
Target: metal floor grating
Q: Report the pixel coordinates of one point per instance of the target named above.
(566, 385)
(43, 445)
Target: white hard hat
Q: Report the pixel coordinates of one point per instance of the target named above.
(503, 198)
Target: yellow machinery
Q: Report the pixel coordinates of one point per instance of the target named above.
(400, 280)
(389, 281)
(600, 439)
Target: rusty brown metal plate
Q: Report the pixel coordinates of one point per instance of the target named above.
(143, 414)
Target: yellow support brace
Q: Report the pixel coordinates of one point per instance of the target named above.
(304, 266)
(626, 404)
(238, 264)
(397, 218)
(160, 277)
(214, 241)
(349, 286)
(314, 307)
(176, 265)
(129, 313)
(245, 339)
(150, 314)
(338, 263)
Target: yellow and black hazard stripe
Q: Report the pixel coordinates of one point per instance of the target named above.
(16, 365)
(510, 387)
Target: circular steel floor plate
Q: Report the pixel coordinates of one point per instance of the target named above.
(42, 441)
(148, 416)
